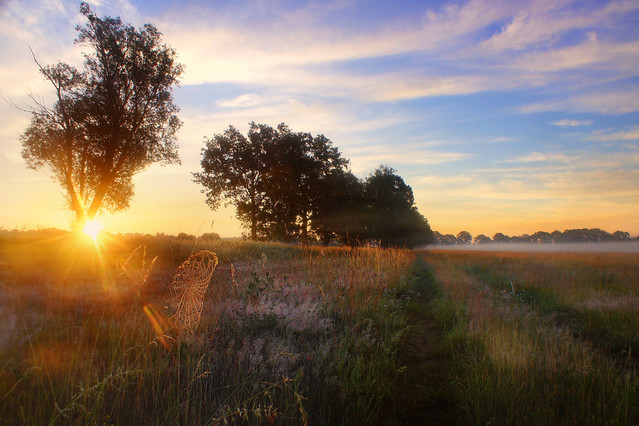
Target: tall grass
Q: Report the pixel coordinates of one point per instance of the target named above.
(308, 336)
(522, 351)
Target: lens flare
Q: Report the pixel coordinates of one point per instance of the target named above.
(93, 229)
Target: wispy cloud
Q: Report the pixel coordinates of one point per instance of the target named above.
(631, 134)
(296, 51)
(548, 157)
(571, 123)
(614, 102)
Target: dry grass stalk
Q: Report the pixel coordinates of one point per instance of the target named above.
(137, 271)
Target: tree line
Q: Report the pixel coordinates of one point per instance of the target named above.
(295, 187)
(115, 117)
(568, 236)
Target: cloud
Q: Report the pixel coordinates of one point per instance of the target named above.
(299, 51)
(631, 134)
(549, 157)
(571, 123)
(614, 102)
(367, 158)
(242, 101)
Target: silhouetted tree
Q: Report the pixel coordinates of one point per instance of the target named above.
(541, 237)
(394, 218)
(280, 181)
(236, 168)
(341, 212)
(482, 239)
(444, 239)
(501, 238)
(305, 178)
(111, 120)
(621, 236)
(464, 237)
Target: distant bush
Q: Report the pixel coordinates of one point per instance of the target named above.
(210, 236)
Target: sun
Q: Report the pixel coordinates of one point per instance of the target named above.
(92, 229)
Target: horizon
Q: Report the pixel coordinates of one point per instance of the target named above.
(502, 117)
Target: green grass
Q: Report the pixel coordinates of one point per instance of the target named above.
(532, 352)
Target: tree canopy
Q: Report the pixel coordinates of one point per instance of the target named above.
(293, 186)
(273, 176)
(111, 120)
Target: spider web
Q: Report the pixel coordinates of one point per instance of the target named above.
(188, 288)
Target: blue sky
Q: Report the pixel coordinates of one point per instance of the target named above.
(503, 116)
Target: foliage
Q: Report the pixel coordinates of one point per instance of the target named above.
(291, 186)
(111, 120)
(464, 237)
(394, 220)
(235, 167)
(567, 236)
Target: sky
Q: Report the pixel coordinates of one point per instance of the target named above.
(502, 116)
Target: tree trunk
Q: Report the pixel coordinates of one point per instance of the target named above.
(304, 228)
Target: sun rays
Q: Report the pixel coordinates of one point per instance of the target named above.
(92, 229)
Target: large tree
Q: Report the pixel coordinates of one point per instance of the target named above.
(276, 178)
(235, 168)
(302, 183)
(393, 218)
(111, 120)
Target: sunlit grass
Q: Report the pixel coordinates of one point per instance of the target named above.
(303, 338)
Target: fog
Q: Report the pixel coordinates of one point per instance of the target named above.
(601, 247)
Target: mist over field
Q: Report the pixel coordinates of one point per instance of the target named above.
(598, 247)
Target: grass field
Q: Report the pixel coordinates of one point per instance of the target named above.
(540, 338)
(293, 335)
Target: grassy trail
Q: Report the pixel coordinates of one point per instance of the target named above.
(427, 361)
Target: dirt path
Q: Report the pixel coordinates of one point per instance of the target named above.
(427, 361)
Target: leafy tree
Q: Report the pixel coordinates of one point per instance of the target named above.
(395, 219)
(482, 239)
(236, 168)
(541, 237)
(464, 237)
(341, 213)
(501, 238)
(621, 236)
(279, 180)
(111, 120)
(306, 181)
(445, 239)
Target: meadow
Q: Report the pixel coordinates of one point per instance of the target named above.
(89, 334)
(540, 338)
(288, 335)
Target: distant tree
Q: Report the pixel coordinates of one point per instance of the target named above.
(394, 218)
(210, 236)
(111, 120)
(557, 236)
(185, 237)
(482, 239)
(501, 238)
(541, 237)
(621, 236)
(464, 237)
